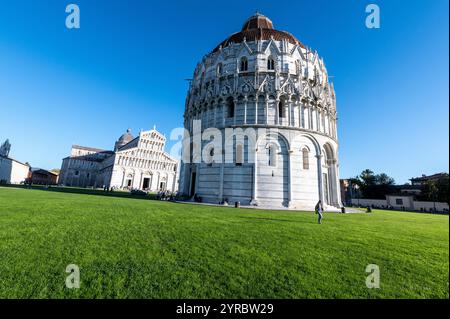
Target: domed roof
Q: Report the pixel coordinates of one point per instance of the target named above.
(126, 137)
(258, 27)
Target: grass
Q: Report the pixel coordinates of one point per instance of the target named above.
(128, 248)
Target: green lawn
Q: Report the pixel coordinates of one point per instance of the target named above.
(132, 248)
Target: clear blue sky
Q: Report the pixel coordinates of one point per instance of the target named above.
(127, 65)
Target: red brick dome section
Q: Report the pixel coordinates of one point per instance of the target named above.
(258, 27)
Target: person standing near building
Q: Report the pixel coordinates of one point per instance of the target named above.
(319, 211)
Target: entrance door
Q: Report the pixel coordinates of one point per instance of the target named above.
(193, 178)
(146, 183)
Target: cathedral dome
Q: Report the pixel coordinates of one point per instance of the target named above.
(126, 137)
(258, 27)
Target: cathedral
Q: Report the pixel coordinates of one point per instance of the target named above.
(273, 93)
(136, 163)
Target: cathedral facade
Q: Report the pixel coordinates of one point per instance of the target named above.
(136, 163)
(274, 96)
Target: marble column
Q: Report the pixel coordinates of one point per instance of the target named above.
(245, 109)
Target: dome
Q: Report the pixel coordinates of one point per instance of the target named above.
(126, 137)
(258, 27)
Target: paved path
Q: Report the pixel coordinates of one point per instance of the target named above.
(328, 210)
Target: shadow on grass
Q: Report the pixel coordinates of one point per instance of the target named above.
(84, 191)
(271, 219)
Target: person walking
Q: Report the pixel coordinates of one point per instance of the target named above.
(319, 211)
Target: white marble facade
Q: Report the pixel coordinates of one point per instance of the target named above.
(135, 163)
(11, 170)
(265, 80)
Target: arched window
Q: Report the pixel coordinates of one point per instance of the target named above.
(230, 107)
(244, 64)
(219, 69)
(281, 113)
(272, 155)
(239, 155)
(270, 64)
(305, 154)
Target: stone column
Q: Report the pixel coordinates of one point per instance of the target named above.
(245, 109)
(290, 152)
(267, 109)
(206, 124)
(299, 110)
(214, 115)
(290, 112)
(277, 111)
(132, 180)
(140, 181)
(337, 184)
(319, 169)
(256, 109)
(329, 123)
(224, 113)
(221, 183)
(235, 101)
(123, 179)
(254, 179)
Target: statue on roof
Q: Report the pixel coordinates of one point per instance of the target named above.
(5, 148)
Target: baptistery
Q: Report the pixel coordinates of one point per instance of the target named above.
(260, 124)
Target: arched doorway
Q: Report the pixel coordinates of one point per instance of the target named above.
(272, 171)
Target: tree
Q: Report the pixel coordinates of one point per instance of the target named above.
(375, 186)
(430, 190)
(384, 179)
(367, 177)
(443, 195)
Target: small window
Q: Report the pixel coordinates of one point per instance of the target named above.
(399, 201)
(239, 155)
(270, 64)
(281, 112)
(230, 107)
(244, 65)
(77, 173)
(88, 175)
(305, 154)
(272, 156)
